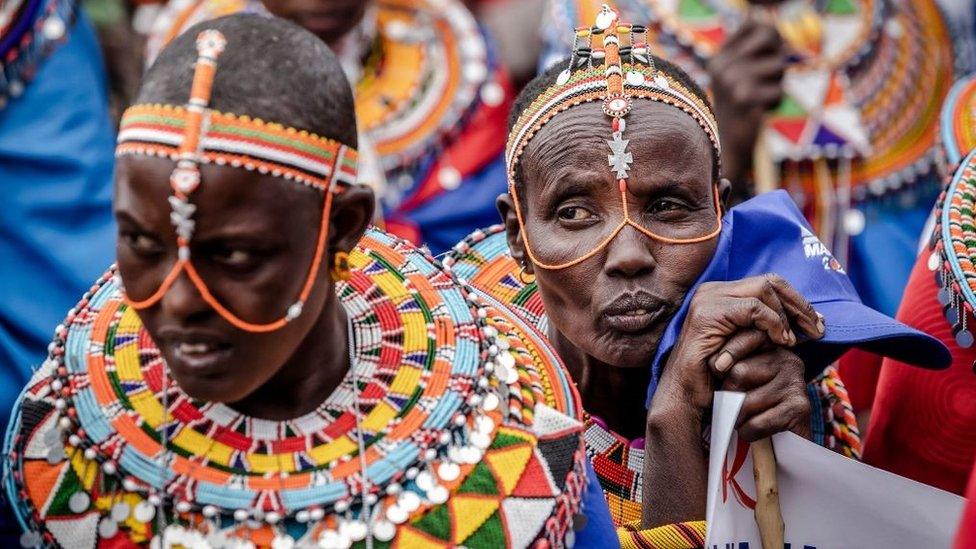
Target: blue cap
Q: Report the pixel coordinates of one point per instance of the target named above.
(768, 234)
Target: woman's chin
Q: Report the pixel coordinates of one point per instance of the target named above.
(210, 389)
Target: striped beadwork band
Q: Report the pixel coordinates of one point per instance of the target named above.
(239, 141)
(589, 85)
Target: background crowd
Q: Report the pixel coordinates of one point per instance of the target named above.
(862, 110)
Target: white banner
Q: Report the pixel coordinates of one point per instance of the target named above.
(827, 500)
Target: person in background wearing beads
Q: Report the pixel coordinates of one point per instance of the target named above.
(650, 296)
(260, 370)
(923, 425)
(56, 170)
(431, 99)
(836, 101)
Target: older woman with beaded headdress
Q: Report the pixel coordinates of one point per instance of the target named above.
(431, 98)
(263, 370)
(837, 102)
(616, 244)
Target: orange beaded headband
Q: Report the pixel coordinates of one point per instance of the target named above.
(616, 84)
(194, 134)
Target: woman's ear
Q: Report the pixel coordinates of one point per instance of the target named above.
(724, 193)
(352, 212)
(506, 207)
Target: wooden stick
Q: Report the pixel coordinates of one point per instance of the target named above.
(769, 517)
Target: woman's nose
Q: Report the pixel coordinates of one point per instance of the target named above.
(183, 301)
(629, 254)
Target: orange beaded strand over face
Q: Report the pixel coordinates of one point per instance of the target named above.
(195, 134)
(616, 84)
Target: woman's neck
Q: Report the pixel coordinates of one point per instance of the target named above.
(615, 395)
(313, 372)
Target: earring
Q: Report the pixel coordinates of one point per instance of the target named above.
(340, 266)
(524, 277)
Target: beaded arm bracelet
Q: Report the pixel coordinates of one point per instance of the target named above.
(194, 134)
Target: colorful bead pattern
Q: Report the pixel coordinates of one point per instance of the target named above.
(870, 86)
(467, 442)
(683, 535)
(958, 120)
(30, 30)
(483, 259)
(422, 77)
(239, 141)
(953, 247)
(427, 68)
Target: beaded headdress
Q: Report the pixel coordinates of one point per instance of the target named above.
(616, 73)
(195, 134)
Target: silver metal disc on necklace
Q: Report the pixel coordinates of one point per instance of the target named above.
(480, 440)
(448, 471)
(78, 502)
(30, 539)
(604, 19)
(144, 512)
(964, 339)
(55, 454)
(397, 514)
(437, 495)
(635, 78)
(563, 77)
(490, 403)
(120, 511)
(384, 530)
(51, 436)
(425, 481)
(107, 528)
(934, 261)
(355, 530)
(952, 315)
(409, 501)
(283, 541)
(945, 295)
(328, 539)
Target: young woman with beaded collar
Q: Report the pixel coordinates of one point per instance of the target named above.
(203, 405)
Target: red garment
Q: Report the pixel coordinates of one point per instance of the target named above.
(923, 423)
(860, 370)
(966, 537)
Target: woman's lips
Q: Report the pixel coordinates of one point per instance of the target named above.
(633, 313)
(634, 321)
(199, 356)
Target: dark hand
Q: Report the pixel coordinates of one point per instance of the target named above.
(774, 384)
(747, 81)
(727, 323)
(714, 334)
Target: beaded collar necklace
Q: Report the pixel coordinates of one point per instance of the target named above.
(436, 382)
(194, 134)
(951, 246)
(958, 120)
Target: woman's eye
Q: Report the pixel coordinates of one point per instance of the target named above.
(666, 205)
(235, 257)
(573, 213)
(141, 243)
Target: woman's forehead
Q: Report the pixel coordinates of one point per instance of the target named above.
(662, 140)
(225, 192)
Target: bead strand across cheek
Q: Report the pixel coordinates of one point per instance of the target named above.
(194, 134)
